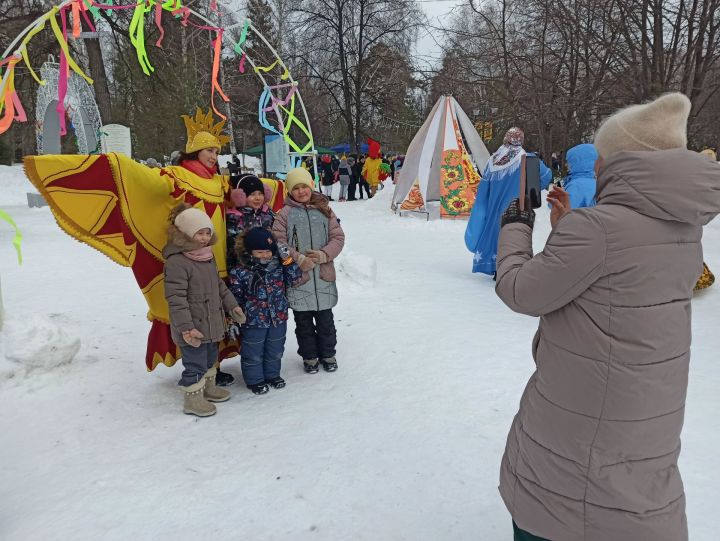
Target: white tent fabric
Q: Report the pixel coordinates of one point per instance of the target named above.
(412, 165)
(423, 157)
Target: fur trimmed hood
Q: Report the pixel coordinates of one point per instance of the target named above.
(317, 201)
(178, 241)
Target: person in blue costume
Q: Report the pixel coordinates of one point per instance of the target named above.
(500, 184)
(580, 183)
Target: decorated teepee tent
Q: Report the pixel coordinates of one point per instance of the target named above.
(440, 163)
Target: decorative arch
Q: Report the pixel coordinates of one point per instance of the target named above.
(80, 106)
(280, 101)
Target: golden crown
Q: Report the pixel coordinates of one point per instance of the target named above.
(204, 122)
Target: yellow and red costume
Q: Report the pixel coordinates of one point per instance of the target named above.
(121, 208)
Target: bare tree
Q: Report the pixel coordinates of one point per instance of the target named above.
(336, 40)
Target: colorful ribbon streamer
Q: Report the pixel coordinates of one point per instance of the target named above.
(258, 69)
(9, 100)
(243, 37)
(158, 23)
(17, 239)
(136, 32)
(62, 41)
(266, 97)
(217, 44)
(23, 50)
(284, 108)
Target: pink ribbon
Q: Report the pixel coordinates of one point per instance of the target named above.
(62, 79)
(158, 23)
(20, 115)
(275, 101)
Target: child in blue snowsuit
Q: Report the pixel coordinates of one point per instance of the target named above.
(259, 282)
(580, 184)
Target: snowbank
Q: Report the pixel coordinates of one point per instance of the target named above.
(35, 344)
(14, 186)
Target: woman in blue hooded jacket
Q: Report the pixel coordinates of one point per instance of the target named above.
(580, 182)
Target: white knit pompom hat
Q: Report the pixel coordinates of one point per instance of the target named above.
(658, 125)
(192, 220)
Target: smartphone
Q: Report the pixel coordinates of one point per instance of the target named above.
(532, 181)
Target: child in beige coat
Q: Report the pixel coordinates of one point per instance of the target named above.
(197, 299)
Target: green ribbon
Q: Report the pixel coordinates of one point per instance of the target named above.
(17, 239)
(243, 36)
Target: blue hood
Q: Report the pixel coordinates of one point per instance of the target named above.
(581, 160)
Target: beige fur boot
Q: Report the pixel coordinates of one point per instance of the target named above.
(213, 393)
(195, 403)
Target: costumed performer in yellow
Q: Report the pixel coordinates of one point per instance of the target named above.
(371, 168)
(121, 208)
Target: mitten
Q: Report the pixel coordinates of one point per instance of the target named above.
(513, 214)
(318, 256)
(305, 263)
(193, 337)
(284, 254)
(238, 315)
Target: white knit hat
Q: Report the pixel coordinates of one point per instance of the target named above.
(192, 220)
(658, 125)
(298, 176)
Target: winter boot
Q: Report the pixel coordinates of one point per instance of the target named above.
(223, 379)
(213, 393)
(330, 364)
(311, 366)
(276, 383)
(195, 403)
(259, 388)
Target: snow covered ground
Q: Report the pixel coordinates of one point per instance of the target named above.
(403, 442)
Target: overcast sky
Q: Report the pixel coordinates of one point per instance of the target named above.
(428, 52)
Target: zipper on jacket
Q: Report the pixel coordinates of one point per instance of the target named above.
(315, 276)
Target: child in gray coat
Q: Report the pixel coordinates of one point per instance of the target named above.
(196, 298)
(312, 232)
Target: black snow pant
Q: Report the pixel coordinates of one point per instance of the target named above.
(364, 186)
(522, 535)
(316, 334)
(352, 190)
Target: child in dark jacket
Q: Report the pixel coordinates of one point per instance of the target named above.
(259, 282)
(250, 208)
(250, 200)
(196, 297)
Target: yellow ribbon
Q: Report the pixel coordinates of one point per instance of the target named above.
(23, 50)
(64, 46)
(267, 68)
(17, 239)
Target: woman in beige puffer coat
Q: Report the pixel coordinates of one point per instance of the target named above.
(592, 453)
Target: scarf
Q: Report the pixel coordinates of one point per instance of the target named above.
(505, 156)
(194, 166)
(200, 254)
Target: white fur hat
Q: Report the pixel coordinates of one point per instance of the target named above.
(658, 125)
(192, 220)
